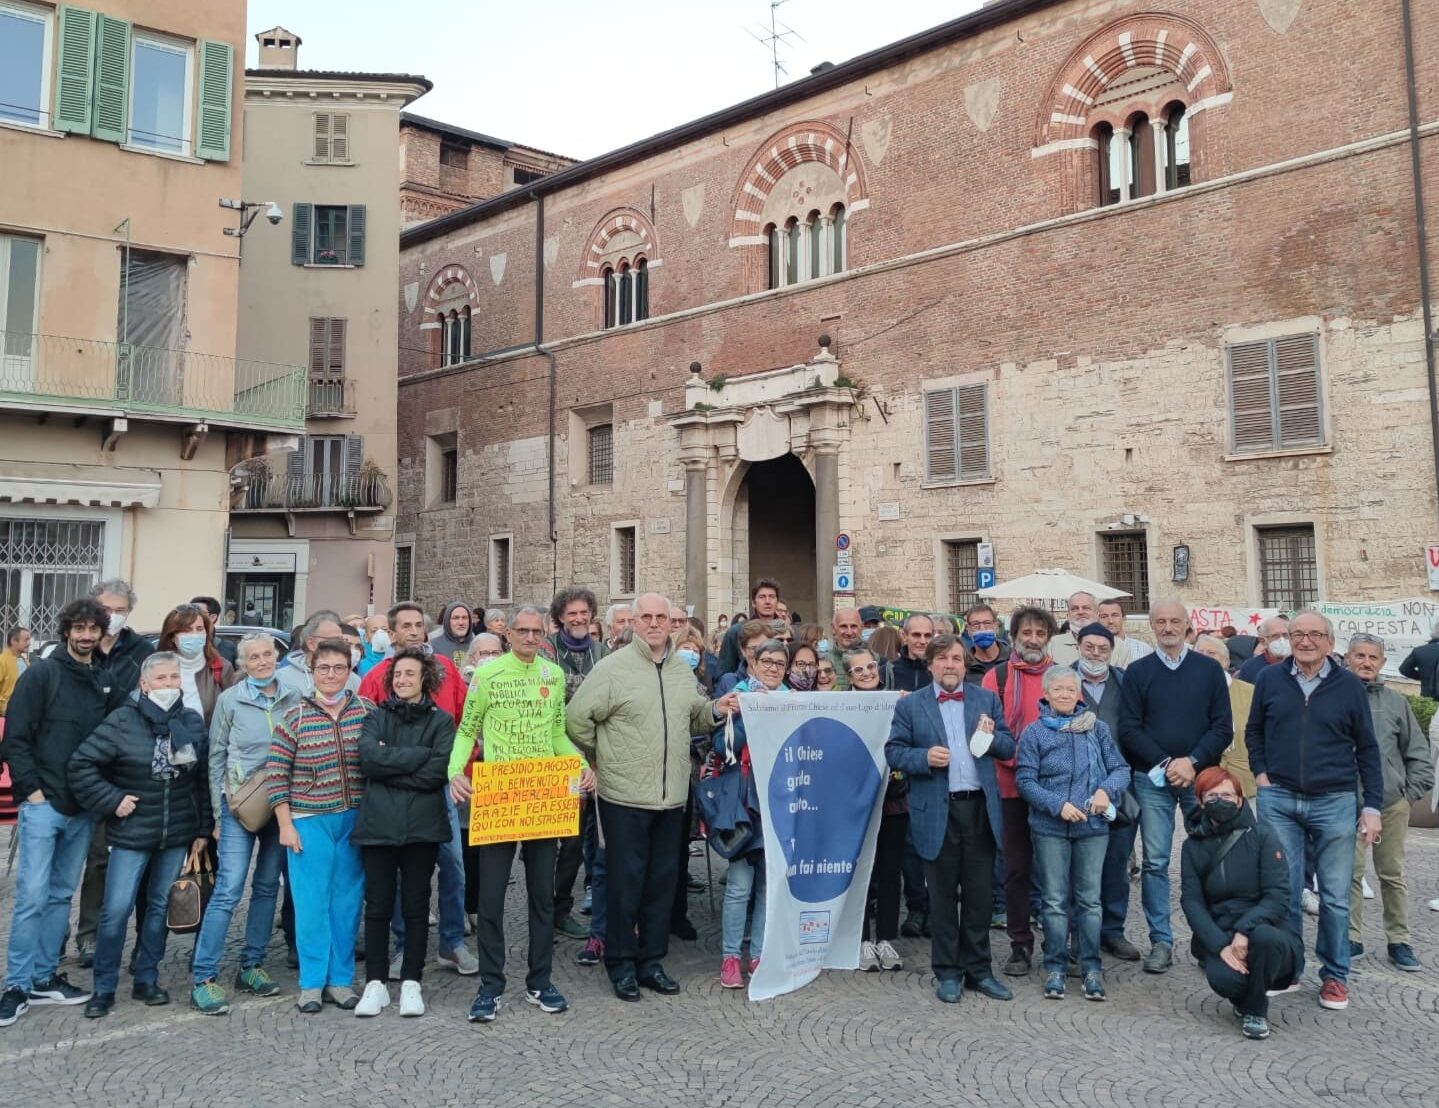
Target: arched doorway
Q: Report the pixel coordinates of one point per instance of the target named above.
(774, 532)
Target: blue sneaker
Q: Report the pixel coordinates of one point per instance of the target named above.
(484, 1008)
(548, 999)
(1402, 956)
(949, 990)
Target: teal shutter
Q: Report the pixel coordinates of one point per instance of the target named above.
(112, 78)
(300, 234)
(217, 60)
(75, 71)
(356, 225)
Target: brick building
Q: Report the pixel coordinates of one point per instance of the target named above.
(1080, 279)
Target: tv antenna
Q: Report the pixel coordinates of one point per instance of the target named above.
(778, 33)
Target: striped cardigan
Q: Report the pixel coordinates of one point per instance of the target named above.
(314, 762)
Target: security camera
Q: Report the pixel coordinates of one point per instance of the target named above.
(274, 213)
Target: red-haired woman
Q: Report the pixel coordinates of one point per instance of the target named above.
(1236, 898)
(204, 675)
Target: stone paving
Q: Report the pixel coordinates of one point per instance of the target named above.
(849, 1039)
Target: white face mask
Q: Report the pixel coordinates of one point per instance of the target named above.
(380, 641)
(1092, 667)
(164, 699)
(355, 655)
(117, 623)
(1279, 648)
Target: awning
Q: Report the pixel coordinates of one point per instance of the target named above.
(62, 483)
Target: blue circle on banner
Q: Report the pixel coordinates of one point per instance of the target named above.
(822, 790)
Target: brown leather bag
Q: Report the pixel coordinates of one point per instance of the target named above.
(189, 894)
(250, 801)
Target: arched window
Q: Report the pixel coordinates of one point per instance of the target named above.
(776, 256)
(1176, 146)
(625, 294)
(1111, 164)
(611, 289)
(839, 252)
(642, 289)
(465, 333)
(804, 250)
(791, 251)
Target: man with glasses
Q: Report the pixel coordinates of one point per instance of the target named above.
(1312, 749)
(1274, 647)
(910, 671)
(987, 649)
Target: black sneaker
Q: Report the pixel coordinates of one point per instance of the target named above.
(1017, 964)
(57, 990)
(13, 1005)
(1402, 957)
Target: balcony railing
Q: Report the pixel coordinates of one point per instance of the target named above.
(47, 371)
(331, 398)
(316, 492)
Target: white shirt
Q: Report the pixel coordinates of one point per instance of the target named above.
(963, 769)
(1174, 663)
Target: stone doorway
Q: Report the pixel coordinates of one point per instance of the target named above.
(774, 533)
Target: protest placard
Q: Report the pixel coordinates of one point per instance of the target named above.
(531, 798)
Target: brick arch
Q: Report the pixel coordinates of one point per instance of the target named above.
(444, 277)
(614, 223)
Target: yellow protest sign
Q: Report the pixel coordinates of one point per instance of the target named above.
(531, 798)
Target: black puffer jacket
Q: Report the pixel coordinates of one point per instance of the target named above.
(1247, 887)
(116, 760)
(56, 705)
(123, 662)
(404, 754)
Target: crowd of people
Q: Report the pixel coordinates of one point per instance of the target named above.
(1026, 757)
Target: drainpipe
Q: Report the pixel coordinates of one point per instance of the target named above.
(554, 533)
(1421, 233)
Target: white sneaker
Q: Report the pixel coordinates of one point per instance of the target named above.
(1368, 892)
(395, 963)
(887, 956)
(412, 1002)
(868, 958)
(374, 1000)
(461, 961)
(1309, 901)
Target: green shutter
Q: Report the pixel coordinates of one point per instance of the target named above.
(300, 234)
(112, 78)
(356, 224)
(217, 60)
(75, 71)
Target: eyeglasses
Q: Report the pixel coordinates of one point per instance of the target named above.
(1308, 636)
(803, 667)
(873, 667)
(1219, 794)
(326, 671)
(770, 663)
(488, 654)
(528, 632)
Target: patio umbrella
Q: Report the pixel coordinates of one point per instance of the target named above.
(1049, 584)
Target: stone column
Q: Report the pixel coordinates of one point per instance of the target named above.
(696, 537)
(1126, 162)
(826, 526)
(1160, 138)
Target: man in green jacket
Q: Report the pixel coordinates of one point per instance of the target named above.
(632, 719)
(1408, 775)
(519, 701)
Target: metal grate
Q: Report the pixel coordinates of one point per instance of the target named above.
(450, 474)
(625, 556)
(45, 564)
(499, 569)
(961, 564)
(1125, 558)
(404, 573)
(602, 454)
(1288, 568)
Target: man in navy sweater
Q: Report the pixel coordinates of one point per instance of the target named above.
(1174, 720)
(1312, 749)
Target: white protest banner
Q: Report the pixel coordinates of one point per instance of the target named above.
(820, 773)
(1402, 624)
(1244, 620)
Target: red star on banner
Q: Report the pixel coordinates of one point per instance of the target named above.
(1254, 619)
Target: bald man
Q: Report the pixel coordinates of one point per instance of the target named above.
(845, 630)
(1064, 647)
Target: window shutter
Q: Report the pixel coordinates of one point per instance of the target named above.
(75, 71)
(939, 436)
(319, 344)
(217, 66)
(339, 137)
(354, 454)
(973, 418)
(336, 363)
(295, 462)
(300, 234)
(356, 223)
(1296, 369)
(322, 136)
(112, 78)
(1249, 401)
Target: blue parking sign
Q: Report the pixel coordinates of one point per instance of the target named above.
(984, 577)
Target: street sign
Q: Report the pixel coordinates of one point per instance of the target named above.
(843, 579)
(983, 577)
(842, 541)
(844, 558)
(986, 555)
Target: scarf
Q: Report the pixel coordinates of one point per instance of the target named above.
(176, 735)
(801, 682)
(1081, 723)
(1020, 674)
(575, 646)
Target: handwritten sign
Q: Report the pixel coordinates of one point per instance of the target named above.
(1246, 621)
(1402, 624)
(1431, 561)
(531, 798)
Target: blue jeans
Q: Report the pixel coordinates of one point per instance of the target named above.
(1156, 827)
(746, 875)
(1114, 884)
(236, 848)
(451, 907)
(595, 866)
(52, 858)
(1067, 866)
(1328, 821)
(329, 888)
(122, 886)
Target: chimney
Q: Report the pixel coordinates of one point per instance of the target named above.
(279, 49)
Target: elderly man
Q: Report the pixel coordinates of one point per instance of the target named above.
(1174, 720)
(910, 671)
(1126, 649)
(1064, 647)
(295, 672)
(619, 618)
(846, 631)
(1422, 665)
(1273, 647)
(632, 720)
(1408, 774)
(1312, 749)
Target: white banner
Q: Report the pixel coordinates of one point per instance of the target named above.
(820, 772)
(1402, 624)
(1244, 620)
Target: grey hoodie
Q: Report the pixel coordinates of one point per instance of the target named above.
(444, 643)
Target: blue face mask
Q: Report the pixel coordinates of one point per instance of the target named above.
(866, 634)
(690, 658)
(259, 687)
(983, 639)
(823, 646)
(190, 643)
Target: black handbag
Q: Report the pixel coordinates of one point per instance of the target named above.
(1126, 809)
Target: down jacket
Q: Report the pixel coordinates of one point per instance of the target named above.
(404, 749)
(1247, 887)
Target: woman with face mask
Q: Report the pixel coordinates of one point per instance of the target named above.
(315, 787)
(1235, 895)
(203, 673)
(803, 675)
(241, 731)
(143, 770)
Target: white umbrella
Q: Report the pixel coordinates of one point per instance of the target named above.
(1049, 584)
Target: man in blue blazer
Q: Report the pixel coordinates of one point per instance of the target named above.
(954, 813)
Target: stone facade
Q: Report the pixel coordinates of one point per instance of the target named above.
(975, 256)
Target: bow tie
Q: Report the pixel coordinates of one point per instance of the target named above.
(956, 695)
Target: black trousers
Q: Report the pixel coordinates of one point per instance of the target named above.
(415, 864)
(961, 892)
(1018, 878)
(1275, 955)
(495, 861)
(680, 906)
(567, 865)
(639, 886)
(881, 910)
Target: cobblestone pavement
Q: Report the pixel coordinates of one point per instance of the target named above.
(849, 1039)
